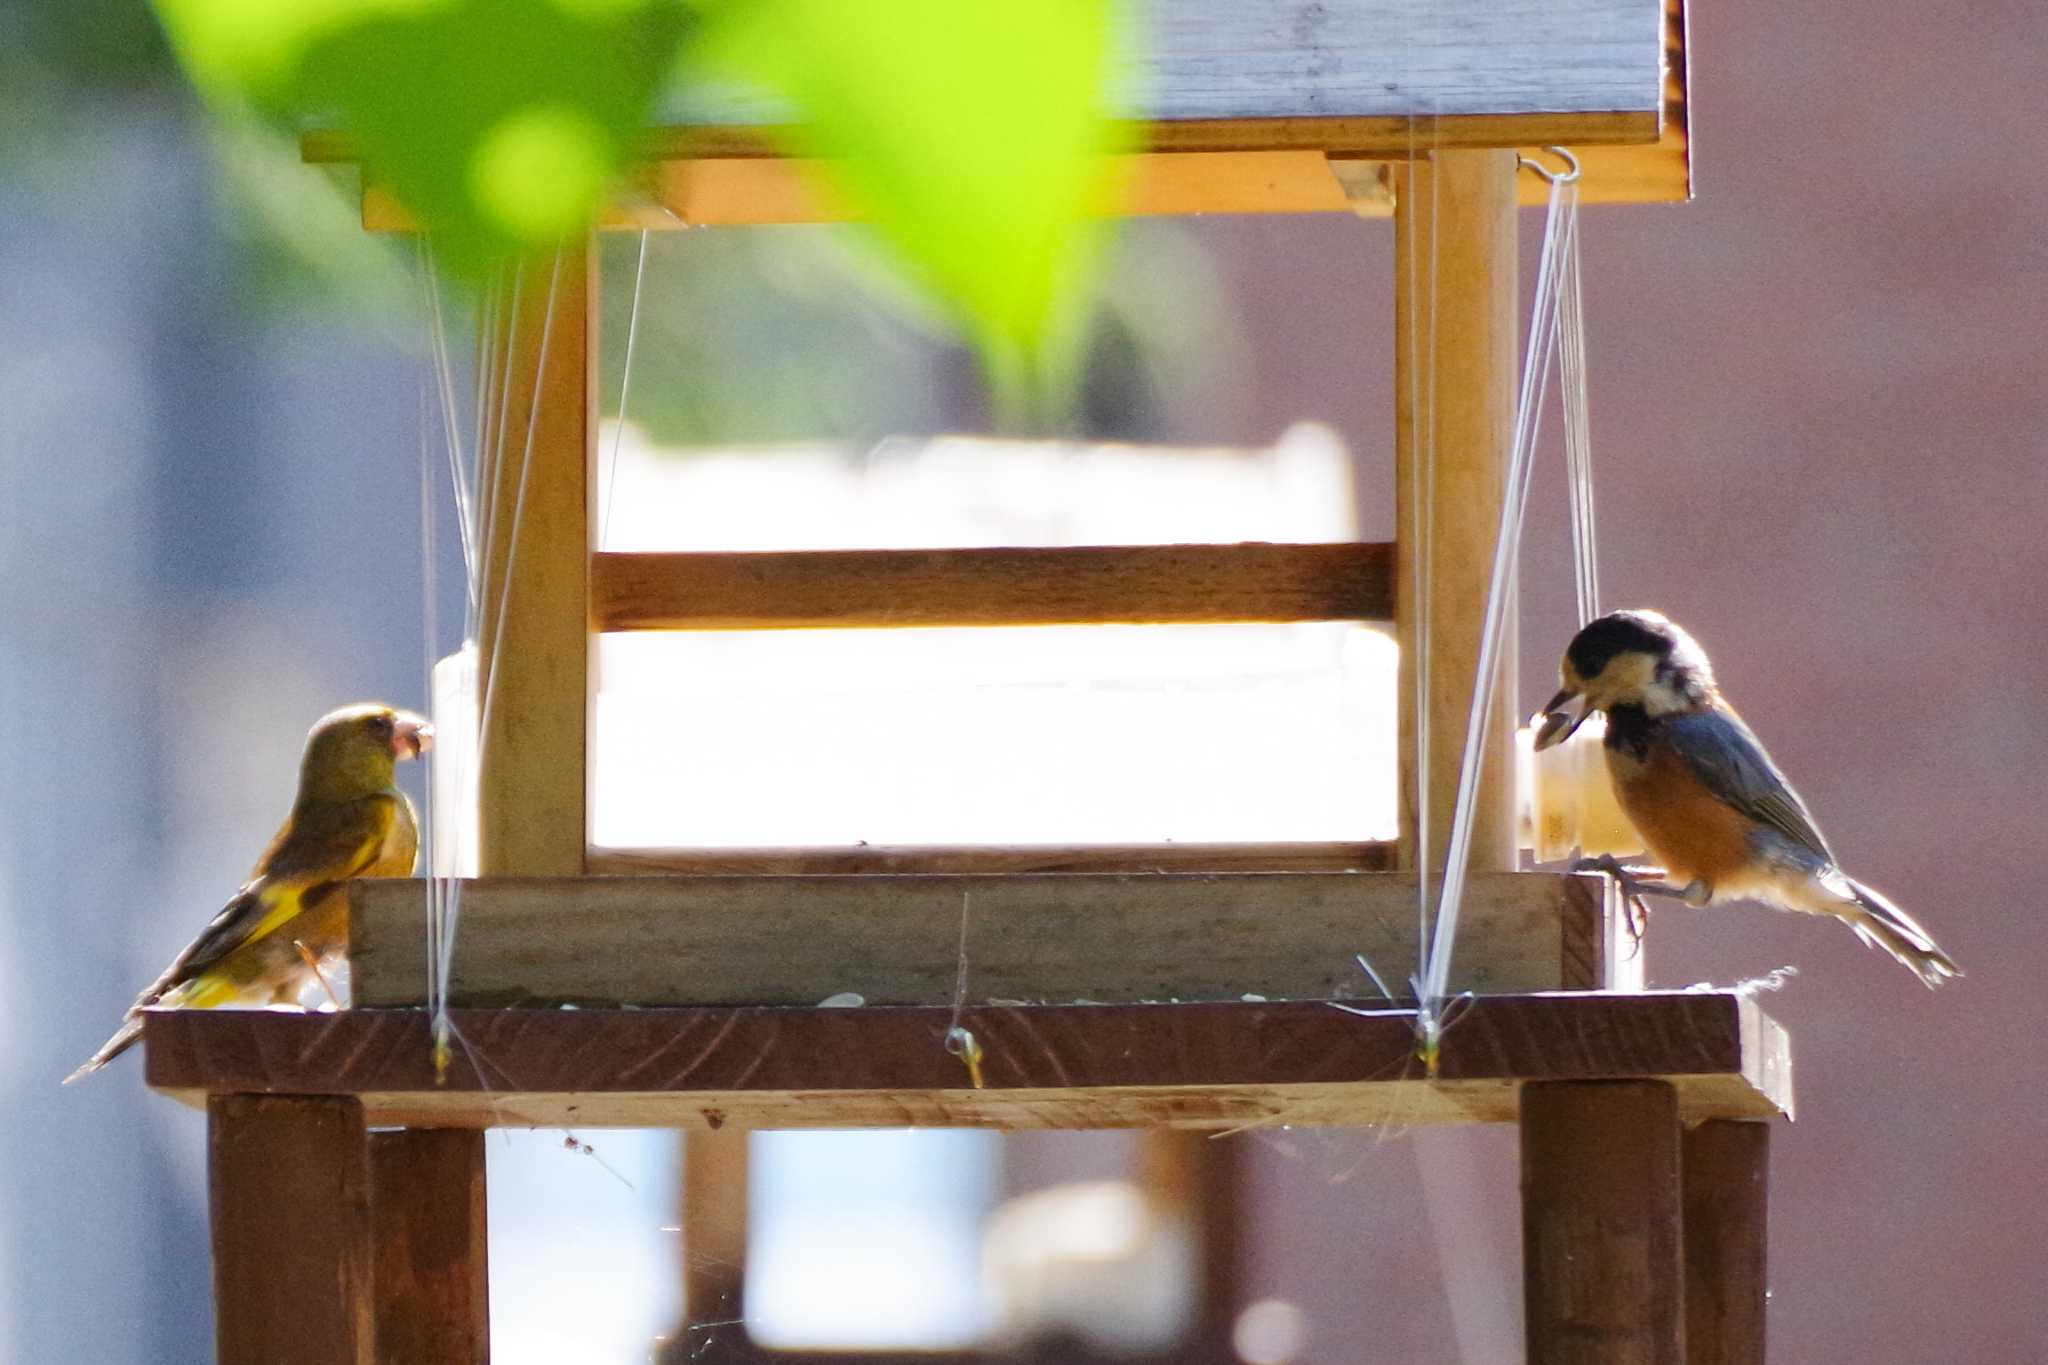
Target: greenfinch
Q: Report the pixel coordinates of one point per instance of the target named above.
(348, 820)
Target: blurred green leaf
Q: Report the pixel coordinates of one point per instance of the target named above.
(500, 123)
(253, 50)
(970, 132)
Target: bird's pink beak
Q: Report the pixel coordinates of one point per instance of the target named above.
(411, 736)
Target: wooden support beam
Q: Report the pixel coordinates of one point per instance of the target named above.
(898, 940)
(713, 1216)
(1127, 584)
(1600, 1223)
(1389, 137)
(1201, 1179)
(533, 635)
(288, 1177)
(990, 859)
(742, 192)
(1221, 1065)
(1454, 381)
(431, 1246)
(1727, 1206)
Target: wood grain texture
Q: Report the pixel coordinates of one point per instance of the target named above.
(1726, 1179)
(733, 175)
(1601, 1259)
(1358, 72)
(1217, 59)
(1454, 381)
(1221, 1065)
(898, 940)
(533, 641)
(987, 859)
(289, 1188)
(1125, 584)
(431, 1246)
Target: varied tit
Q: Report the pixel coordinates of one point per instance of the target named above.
(1705, 797)
(348, 820)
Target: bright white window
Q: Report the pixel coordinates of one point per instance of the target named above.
(1011, 735)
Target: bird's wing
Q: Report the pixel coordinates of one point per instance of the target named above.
(329, 841)
(1729, 759)
(321, 844)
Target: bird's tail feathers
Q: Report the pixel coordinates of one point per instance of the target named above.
(1881, 924)
(123, 1039)
(174, 976)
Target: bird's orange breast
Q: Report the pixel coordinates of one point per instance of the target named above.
(1691, 832)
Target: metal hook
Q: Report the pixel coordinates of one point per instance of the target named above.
(1564, 177)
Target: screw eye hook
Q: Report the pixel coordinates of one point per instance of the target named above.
(1571, 172)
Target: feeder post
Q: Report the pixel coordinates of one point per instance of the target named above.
(1727, 1203)
(1454, 412)
(289, 1187)
(533, 650)
(1600, 1191)
(1200, 1178)
(427, 1226)
(1600, 1223)
(714, 1253)
(533, 639)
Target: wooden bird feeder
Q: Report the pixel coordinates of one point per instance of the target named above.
(1643, 1165)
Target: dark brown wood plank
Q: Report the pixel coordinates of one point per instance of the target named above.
(430, 1243)
(1123, 584)
(1600, 1223)
(1727, 1207)
(898, 940)
(1048, 1066)
(990, 859)
(288, 1180)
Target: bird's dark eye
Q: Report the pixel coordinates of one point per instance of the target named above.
(382, 725)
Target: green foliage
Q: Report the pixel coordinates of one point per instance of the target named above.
(499, 122)
(969, 132)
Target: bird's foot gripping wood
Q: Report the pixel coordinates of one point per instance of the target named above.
(312, 961)
(1639, 882)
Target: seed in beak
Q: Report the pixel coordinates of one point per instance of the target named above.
(1561, 715)
(411, 737)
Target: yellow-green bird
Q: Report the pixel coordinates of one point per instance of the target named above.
(348, 820)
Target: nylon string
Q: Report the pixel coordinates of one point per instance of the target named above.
(1547, 311)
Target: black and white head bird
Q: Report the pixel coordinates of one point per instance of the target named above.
(1707, 800)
